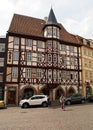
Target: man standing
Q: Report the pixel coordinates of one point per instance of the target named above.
(62, 101)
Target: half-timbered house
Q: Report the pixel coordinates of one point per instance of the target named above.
(2, 65)
(42, 57)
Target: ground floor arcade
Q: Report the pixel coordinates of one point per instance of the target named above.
(14, 93)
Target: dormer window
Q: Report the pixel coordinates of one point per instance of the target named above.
(51, 32)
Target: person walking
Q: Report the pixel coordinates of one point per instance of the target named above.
(62, 101)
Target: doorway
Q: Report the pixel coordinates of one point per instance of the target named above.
(12, 96)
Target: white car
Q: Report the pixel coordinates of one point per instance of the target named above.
(34, 100)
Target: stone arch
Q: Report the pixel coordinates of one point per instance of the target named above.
(58, 92)
(27, 91)
(71, 91)
(88, 90)
(45, 90)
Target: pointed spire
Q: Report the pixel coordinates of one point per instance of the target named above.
(51, 18)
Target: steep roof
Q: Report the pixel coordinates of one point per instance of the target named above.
(51, 18)
(26, 25)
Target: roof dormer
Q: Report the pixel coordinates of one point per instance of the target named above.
(51, 28)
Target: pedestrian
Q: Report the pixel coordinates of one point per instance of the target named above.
(49, 102)
(62, 101)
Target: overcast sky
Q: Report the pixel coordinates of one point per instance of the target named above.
(75, 15)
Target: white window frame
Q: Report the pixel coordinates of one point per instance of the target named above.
(39, 73)
(71, 49)
(29, 42)
(2, 47)
(49, 58)
(15, 72)
(15, 55)
(29, 56)
(63, 48)
(16, 40)
(72, 61)
(54, 58)
(28, 72)
(39, 44)
(49, 31)
(1, 62)
(39, 57)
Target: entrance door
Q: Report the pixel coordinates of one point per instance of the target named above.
(11, 97)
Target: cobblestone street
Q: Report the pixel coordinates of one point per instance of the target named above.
(75, 117)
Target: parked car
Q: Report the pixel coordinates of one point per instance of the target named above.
(34, 101)
(75, 98)
(2, 104)
(89, 98)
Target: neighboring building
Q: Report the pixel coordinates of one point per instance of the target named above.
(87, 65)
(42, 57)
(2, 65)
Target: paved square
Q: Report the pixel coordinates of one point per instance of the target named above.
(76, 117)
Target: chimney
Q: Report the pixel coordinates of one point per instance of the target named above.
(45, 18)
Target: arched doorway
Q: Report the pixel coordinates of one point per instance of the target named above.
(27, 93)
(58, 93)
(71, 91)
(45, 91)
(88, 90)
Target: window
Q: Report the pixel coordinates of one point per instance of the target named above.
(16, 40)
(90, 74)
(15, 72)
(54, 31)
(1, 77)
(16, 55)
(54, 74)
(29, 56)
(49, 31)
(89, 53)
(49, 74)
(49, 57)
(63, 48)
(39, 73)
(63, 60)
(28, 72)
(71, 49)
(54, 58)
(90, 64)
(49, 45)
(86, 74)
(84, 51)
(71, 61)
(1, 62)
(2, 47)
(57, 33)
(54, 44)
(63, 74)
(72, 76)
(28, 42)
(85, 63)
(40, 45)
(39, 57)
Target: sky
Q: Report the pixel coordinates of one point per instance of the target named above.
(75, 15)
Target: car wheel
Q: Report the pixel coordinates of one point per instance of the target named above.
(25, 105)
(68, 102)
(44, 104)
(83, 101)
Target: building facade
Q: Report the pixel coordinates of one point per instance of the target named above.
(42, 57)
(2, 66)
(87, 66)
